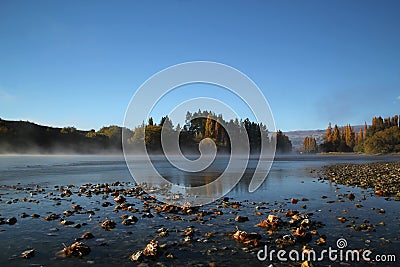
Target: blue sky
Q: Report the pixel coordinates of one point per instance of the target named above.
(78, 63)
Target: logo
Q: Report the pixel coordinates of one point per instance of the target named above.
(141, 164)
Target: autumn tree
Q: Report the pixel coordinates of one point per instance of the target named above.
(310, 145)
(209, 129)
(336, 138)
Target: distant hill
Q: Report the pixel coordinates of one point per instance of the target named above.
(298, 136)
(28, 137)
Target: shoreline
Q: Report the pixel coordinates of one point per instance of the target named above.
(383, 177)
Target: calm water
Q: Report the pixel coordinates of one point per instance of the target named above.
(290, 176)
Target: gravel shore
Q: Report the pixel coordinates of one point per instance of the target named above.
(383, 177)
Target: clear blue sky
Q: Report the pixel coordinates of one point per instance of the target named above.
(77, 63)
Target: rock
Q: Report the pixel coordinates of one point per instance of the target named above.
(120, 199)
(76, 207)
(130, 220)
(108, 224)
(27, 254)
(240, 235)
(77, 249)
(241, 218)
(67, 213)
(301, 235)
(52, 217)
(285, 241)
(87, 235)
(307, 264)
(151, 249)
(147, 215)
(188, 231)
(321, 241)
(66, 222)
(11, 221)
(137, 256)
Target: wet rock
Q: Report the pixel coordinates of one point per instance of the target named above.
(240, 235)
(381, 211)
(162, 232)
(208, 234)
(151, 249)
(321, 241)
(76, 207)
(147, 215)
(67, 213)
(130, 220)
(285, 241)
(106, 204)
(77, 249)
(241, 218)
(87, 235)
(11, 221)
(169, 256)
(301, 235)
(27, 254)
(350, 196)
(66, 222)
(271, 223)
(188, 231)
(136, 256)
(52, 217)
(307, 264)
(120, 199)
(108, 224)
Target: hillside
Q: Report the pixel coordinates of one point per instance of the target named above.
(298, 136)
(28, 137)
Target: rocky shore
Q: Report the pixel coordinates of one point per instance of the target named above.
(176, 231)
(383, 177)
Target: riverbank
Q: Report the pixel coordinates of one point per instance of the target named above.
(50, 201)
(383, 177)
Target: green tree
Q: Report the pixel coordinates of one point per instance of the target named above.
(283, 144)
(150, 121)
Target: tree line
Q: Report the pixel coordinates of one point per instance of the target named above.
(206, 124)
(28, 137)
(382, 136)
